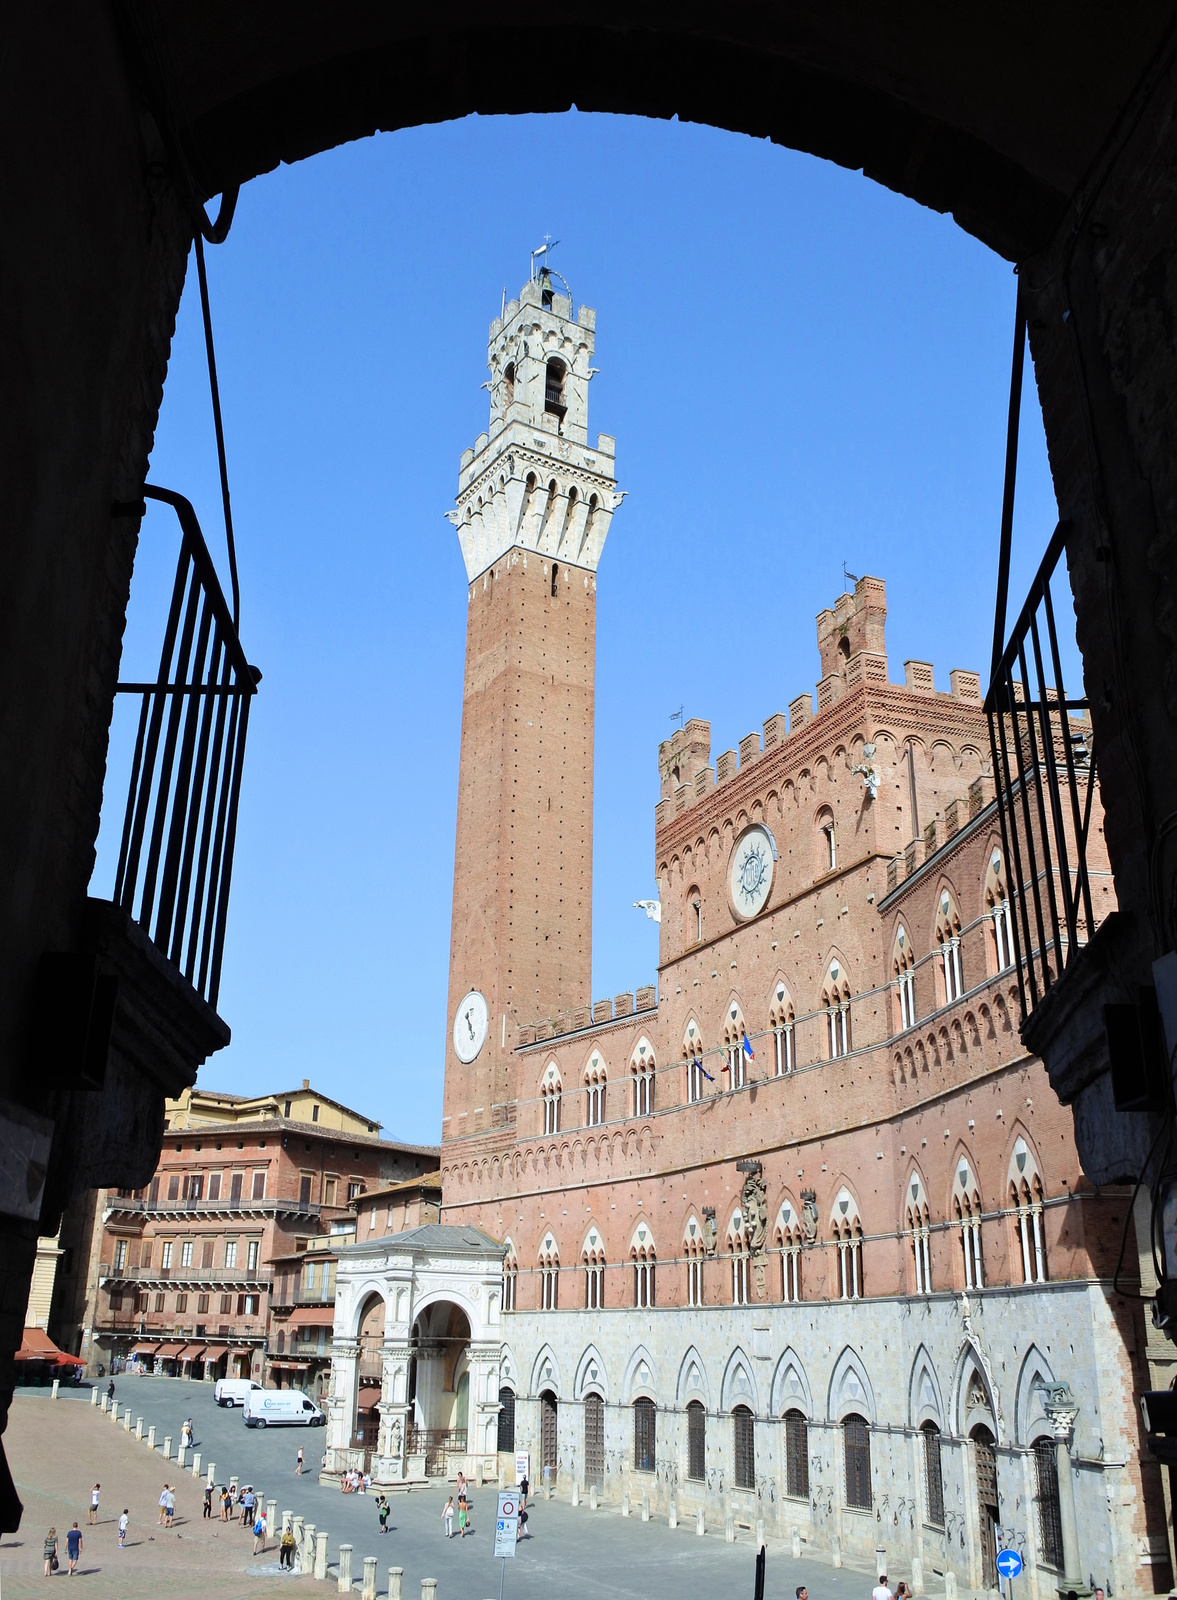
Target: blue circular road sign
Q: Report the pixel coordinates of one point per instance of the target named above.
(1009, 1563)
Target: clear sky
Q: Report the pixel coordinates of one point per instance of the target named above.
(800, 369)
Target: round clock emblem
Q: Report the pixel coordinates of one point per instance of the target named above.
(470, 1026)
(751, 870)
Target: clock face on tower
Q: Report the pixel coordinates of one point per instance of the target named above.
(750, 878)
(470, 1026)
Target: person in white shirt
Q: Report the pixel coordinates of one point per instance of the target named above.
(881, 1591)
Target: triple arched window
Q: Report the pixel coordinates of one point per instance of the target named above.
(595, 1082)
(641, 1254)
(782, 1022)
(510, 1277)
(695, 1252)
(788, 1240)
(835, 1003)
(692, 1049)
(593, 1259)
(966, 1205)
(904, 968)
(1025, 1193)
(642, 1071)
(847, 1233)
(550, 1099)
(738, 1247)
(549, 1275)
(918, 1232)
(948, 939)
(997, 907)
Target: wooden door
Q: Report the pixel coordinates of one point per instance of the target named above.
(547, 1402)
(989, 1515)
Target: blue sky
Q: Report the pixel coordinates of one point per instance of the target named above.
(800, 368)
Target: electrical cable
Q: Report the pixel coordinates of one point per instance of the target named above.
(216, 399)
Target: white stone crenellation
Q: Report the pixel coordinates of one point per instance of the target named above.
(533, 480)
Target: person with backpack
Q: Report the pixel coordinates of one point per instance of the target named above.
(259, 1532)
(51, 1562)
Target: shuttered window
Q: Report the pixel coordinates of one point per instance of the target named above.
(856, 1438)
(745, 1426)
(933, 1474)
(645, 1456)
(696, 1441)
(1050, 1527)
(796, 1455)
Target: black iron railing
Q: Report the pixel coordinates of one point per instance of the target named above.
(1044, 769)
(176, 858)
(437, 1444)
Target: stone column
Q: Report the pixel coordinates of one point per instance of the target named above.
(321, 1555)
(368, 1591)
(151, 1438)
(396, 1583)
(56, 1386)
(345, 1354)
(308, 1549)
(1061, 1411)
(344, 1584)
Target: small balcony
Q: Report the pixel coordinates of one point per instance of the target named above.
(201, 1207)
(249, 1281)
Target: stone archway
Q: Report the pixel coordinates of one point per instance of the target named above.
(365, 1403)
(439, 1387)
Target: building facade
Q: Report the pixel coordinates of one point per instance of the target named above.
(221, 1265)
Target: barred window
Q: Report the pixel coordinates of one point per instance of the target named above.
(856, 1440)
(745, 1430)
(696, 1441)
(645, 1455)
(506, 1439)
(1050, 1526)
(933, 1474)
(796, 1455)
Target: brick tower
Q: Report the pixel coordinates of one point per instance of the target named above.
(534, 504)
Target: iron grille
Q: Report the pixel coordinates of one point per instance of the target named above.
(856, 1438)
(933, 1474)
(696, 1441)
(1044, 771)
(506, 1439)
(1050, 1526)
(176, 857)
(796, 1455)
(745, 1426)
(645, 1456)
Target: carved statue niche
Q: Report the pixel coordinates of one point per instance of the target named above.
(754, 1206)
(710, 1231)
(809, 1215)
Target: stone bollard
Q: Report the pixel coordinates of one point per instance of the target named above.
(396, 1583)
(271, 1516)
(729, 1529)
(672, 1518)
(127, 1420)
(796, 1544)
(625, 1503)
(321, 1555)
(167, 1447)
(308, 1549)
(56, 1387)
(151, 1437)
(93, 1397)
(196, 1463)
(917, 1575)
(234, 1482)
(592, 1497)
(368, 1590)
(949, 1584)
(880, 1560)
(104, 1405)
(502, 1485)
(287, 1518)
(429, 1588)
(114, 1411)
(645, 1508)
(760, 1533)
(345, 1569)
(835, 1550)
(700, 1524)
(139, 1429)
(211, 1475)
(296, 1529)
(575, 1492)
(182, 1457)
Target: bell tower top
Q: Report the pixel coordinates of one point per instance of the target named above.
(533, 479)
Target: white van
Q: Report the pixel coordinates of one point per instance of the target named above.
(281, 1408)
(234, 1391)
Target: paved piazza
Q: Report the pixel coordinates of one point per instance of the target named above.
(58, 1450)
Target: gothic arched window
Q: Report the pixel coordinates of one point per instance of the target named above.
(948, 939)
(903, 965)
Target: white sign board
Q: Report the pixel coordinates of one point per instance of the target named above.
(506, 1533)
(522, 1465)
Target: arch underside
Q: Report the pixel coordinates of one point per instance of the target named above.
(993, 115)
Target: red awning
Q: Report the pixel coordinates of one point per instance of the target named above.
(144, 1349)
(168, 1352)
(241, 1350)
(36, 1345)
(290, 1366)
(368, 1398)
(311, 1317)
(191, 1351)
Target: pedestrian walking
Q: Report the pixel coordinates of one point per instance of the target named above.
(524, 1486)
(123, 1521)
(383, 1509)
(170, 1508)
(461, 1487)
(248, 1501)
(298, 1467)
(92, 1514)
(73, 1549)
(163, 1505)
(226, 1502)
(463, 1519)
(259, 1533)
(51, 1552)
(880, 1590)
(286, 1549)
(186, 1434)
(208, 1500)
(110, 1391)
(447, 1516)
